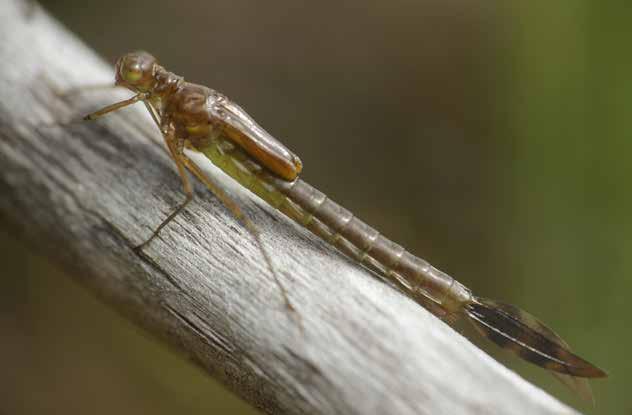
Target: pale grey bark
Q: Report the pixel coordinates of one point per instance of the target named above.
(86, 193)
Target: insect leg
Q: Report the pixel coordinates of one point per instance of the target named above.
(239, 214)
(96, 87)
(116, 106)
(175, 148)
(153, 113)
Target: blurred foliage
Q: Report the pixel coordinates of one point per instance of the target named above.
(490, 138)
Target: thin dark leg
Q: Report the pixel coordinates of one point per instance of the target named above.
(252, 229)
(176, 151)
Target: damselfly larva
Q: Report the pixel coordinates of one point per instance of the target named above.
(198, 118)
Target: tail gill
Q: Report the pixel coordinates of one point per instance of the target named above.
(514, 329)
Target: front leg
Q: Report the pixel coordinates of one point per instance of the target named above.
(176, 151)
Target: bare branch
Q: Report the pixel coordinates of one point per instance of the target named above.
(84, 194)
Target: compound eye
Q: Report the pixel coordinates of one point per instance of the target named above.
(135, 70)
(131, 73)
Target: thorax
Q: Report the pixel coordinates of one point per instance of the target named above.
(186, 109)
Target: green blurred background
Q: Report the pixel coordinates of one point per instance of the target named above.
(491, 138)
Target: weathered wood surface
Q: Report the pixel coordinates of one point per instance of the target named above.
(85, 194)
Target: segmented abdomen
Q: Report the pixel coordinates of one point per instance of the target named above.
(366, 245)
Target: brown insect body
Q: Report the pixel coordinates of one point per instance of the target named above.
(198, 117)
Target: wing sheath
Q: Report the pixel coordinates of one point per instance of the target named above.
(242, 129)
